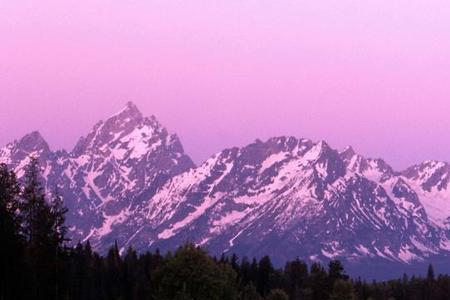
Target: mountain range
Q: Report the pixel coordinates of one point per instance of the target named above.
(129, 180)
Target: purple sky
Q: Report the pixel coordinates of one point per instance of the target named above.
(373, 74)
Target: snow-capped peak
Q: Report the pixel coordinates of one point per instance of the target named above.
(32, 144)
(126, 126)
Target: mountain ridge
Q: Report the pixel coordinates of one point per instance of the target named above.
(129, 180)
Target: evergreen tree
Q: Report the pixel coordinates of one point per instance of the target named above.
(234, 262)
(58, 232)
(342, 290)
(319, 282)
(277, 294)
(254, 271)
(430, 273)
(336, 271)
(43, 227)
(430, 289)
(295, 274)
(113, 269)
(11, 249)
(33, 206)
(265, 273)
(58, 213)
(130, 274)
(249, 292)
(194, 274)
(37, 228)
(245, 275)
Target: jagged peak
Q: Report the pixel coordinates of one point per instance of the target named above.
(323, 145)
(382, 166)
(287, 143)
(434, 164)
(348, 152)
(291, 145)
(33, 141)
(130, 116)
(353, 160)
(35, 134)
(31, 144)
(429, 171)
(416, 167)
(129, 110)
(316, 151)
(123, 123)
(320, 148)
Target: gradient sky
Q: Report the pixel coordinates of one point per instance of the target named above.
(373, 74)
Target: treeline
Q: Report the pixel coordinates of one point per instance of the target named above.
(37, 264)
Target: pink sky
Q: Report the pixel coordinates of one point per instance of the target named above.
(373, 74)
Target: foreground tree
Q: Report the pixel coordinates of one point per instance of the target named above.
(192, 274)
(12, 244)
(266, 274)
(319, 282)
(58, 219)
(249, 293)
(342, 290)
(44, 231)
(277, 295)
(295, 276)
